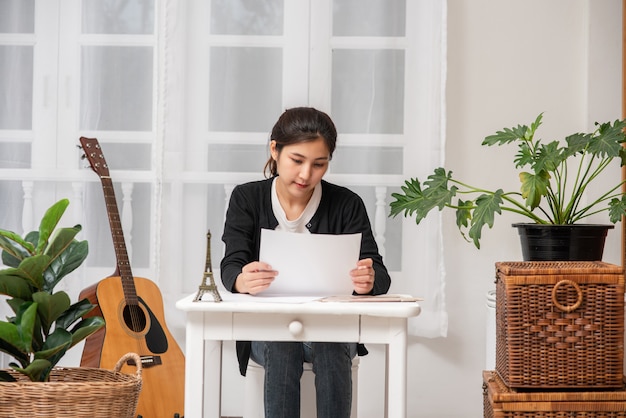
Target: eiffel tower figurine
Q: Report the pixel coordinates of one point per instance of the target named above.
(208, 273)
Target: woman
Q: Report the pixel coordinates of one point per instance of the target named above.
(295, 198)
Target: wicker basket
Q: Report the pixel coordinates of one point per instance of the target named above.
(560, 324)
(74, 392)
(500, 401)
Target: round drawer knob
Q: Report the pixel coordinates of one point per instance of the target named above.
(295, 328)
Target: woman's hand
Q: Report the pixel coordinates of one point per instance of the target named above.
(255, 277)
(363, 276)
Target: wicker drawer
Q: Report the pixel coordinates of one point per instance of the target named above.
(500, 401)
(560, 324)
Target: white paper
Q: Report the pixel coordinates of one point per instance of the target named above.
(260, 298)
(310, 264)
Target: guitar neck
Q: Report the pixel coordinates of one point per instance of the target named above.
(119, 244)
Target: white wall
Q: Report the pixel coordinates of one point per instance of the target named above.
(508, 60)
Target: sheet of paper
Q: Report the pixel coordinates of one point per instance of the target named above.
(370, 298)
(310, 264)
(260, 298)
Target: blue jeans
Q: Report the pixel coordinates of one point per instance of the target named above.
(282, 361)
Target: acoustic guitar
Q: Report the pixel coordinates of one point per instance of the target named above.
(132, 308)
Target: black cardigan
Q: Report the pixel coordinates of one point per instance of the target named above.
(341, 211)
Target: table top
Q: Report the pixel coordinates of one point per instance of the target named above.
(303, 305)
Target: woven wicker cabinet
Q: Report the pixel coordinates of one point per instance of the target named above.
(560, 324)
(500, 401)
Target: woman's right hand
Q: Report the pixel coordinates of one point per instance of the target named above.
(255, 277)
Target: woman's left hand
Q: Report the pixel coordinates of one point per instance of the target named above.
(363, 276)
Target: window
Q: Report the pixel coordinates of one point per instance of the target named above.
(182, 95)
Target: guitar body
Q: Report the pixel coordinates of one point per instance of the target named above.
(140, 329)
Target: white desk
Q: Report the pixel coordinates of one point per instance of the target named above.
(210, 323)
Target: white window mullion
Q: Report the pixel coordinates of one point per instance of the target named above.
(197, 74)
(45, 84)
(296, 60)
(320, 71)
(68, 103)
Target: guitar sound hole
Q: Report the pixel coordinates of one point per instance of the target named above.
(134, 317)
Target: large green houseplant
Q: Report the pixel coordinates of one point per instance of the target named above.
(554, 179)
(45, 323)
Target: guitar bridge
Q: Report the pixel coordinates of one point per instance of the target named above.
(146, 361)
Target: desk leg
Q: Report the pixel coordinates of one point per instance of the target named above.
(396, 369)
(213, 379)
(386, 404)
(194, 365)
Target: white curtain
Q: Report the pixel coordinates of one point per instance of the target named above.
(378, 67)
(181, 95)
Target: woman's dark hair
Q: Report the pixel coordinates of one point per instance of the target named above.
(301, 124)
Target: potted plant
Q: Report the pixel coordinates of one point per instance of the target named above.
(45, 323)
(554, 179)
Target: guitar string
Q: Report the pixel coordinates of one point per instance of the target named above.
(122, 256)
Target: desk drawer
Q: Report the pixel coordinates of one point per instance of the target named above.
(295, 327)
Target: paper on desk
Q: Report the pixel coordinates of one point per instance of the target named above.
(372, 298)
(310, 264)
(260, 298)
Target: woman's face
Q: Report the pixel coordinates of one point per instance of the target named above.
(300, 167)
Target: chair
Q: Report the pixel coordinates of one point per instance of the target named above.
(254, 391)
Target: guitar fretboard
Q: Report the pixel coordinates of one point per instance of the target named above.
(121, 255)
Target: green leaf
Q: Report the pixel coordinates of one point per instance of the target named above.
(524, 156)
(549, 157)
(37, 371)
(74, 313)
(617, 209)
(20, 333)
(14, 352)
(49, 222)
(16, 303)
(576, 143)
(15, 245)
(50, 307)
(65, 263)
(535, 125)
(534, 186)
(26, 320)
(28, 243)
(608, 141)
(55, 346)
(32, 268)
(85, 328)
(406, 202)
(419, 202)
(486, 206)
(10, 340)
(14, 285)
(60, 239)
(506, 136)
(464, 213)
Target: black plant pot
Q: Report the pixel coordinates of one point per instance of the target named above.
(579, 242)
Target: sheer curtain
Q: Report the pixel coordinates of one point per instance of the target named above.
(231, 68)
(181, 96)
